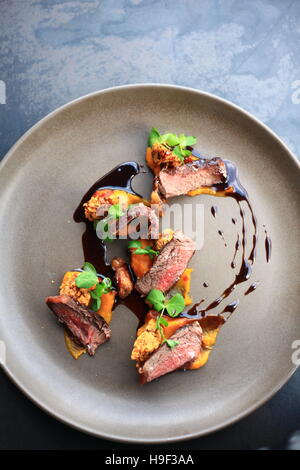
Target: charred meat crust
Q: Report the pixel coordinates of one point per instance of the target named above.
(123, 277)
(87, 327)
(180, 180)
(168, 266)
(165, 359)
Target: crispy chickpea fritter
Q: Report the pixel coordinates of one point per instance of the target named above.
(106, 198)
(69, 287)
(147, 341)
(163, 155)
(99, 198)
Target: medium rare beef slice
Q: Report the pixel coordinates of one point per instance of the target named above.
(165, 359)
(87, 327)
(182, 179)
(168, 266)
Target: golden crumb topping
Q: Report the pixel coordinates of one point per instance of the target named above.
(68, 287)
(90, 208)
(162, 155)
(147, 341)
(105, 198)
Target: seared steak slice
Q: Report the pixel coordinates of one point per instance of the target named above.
(141, 214)
(140, 211)
(182, 179)
(168, 266)
(165, 359)
(87, 327)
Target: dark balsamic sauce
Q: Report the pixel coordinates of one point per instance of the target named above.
(221, 233)
(252, 287)
(230, 308)
(214, 210)
(237, 248)
(233, 188)
(94, 249)
(268, 247)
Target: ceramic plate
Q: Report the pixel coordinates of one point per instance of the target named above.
(42, 181)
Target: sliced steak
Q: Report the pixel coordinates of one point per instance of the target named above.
(182, 179)
(142, 212)
(142, 215)
(165, 359)
(87, 327)
(168, 266)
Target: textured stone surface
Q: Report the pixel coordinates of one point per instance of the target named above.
(52, 51)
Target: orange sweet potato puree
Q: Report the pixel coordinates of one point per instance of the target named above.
(74, 349)
(107, 304)
(184, 285)
(141, 263)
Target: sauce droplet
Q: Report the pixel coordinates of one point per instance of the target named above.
(237, 247)
(268, 247)
(221, 233)
(214, 210)
(252, 287)
(230, 308)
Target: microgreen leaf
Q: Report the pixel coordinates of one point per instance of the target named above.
(156, 298)
(89, 267)
(175, 305)
(171, 343)
(106, 284)
(170, 139)
(190, 141)
(134, 244)
(86, 279)
(99, 290)
(96, 304)
(154, 137)
(163, 321)
(146, 251)
(178, 143)
(177, 152)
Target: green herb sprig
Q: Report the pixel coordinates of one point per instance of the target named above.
(177, 143)
(174, 306)
(89, 278)
(142, 251)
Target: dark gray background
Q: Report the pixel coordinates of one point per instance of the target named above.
(53, 51)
